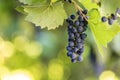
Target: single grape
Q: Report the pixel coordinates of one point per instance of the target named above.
(103, 19)
(78, 40)
(71, 36)
(80, 58)
(73, 56)
(80, 29)
(79, 45)
(85, 11)
(69, 53)
(72, 16)
(83, 36)
(81, 24)
(70, 26)
(69, 48)
(78, 12)
(77, 35)
(110, 21)
(76, 23)
(71, 43)
(80, 18)
(74, 30)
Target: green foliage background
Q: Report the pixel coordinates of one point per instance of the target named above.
(33, 52)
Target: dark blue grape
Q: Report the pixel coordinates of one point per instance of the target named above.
(69, 53)
(103, 19)
(70, 26)
(74, 30)
(77, 35)
(69, 48)
(72, 16)
(73, 60)
(81, 24)
(78, 40)
(79, 45)
(80, 18)
(78, 12)
(85, 22)
(71, 36)
(73, 56)
(80, 29)
(76, 23)
(80, 58)
(85, 11)
(110, 21)
(80, 51)
(71, 43)
(83, 36)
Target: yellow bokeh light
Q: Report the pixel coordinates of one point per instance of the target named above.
(108, 75)
(20, 42)
(18, 75)
(55, 71)
(6, 49)
(3, 71)
(33, 49)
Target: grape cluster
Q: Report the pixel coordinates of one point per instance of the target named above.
(112, 17)
(77, 25)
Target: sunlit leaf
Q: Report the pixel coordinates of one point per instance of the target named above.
(32, 1)
(53, 1)
(50, 16)
(89, 4)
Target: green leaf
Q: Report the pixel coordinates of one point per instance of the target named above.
(53, 1)
(20, 9)
(30, 2)
(89, 4)
(69, 8)
(102, 32)
(46, 15)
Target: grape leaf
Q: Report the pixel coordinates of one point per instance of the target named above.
(102, 32)
(69, 8)
(53, 1)
(30, 2)
(20, 9)
(50, 16)
(89, 4)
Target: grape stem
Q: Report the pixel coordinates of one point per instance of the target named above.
(80, 9)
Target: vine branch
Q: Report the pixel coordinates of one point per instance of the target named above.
(80, 9)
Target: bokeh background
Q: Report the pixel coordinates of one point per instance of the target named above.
(28, 52)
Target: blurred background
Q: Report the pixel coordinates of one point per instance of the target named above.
(28, 52)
